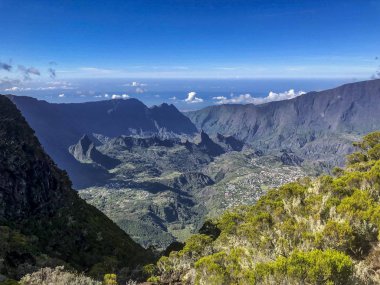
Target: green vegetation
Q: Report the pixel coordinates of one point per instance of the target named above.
(159, 210)
(321, 231)
(110, 279)
(9, 282)
(57, 276)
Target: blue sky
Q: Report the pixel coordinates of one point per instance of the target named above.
(193, 38)
(81, 50)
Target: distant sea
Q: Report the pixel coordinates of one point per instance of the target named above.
(174, 91)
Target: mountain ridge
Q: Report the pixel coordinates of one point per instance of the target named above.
(42, 219)
(58, 126)
(345, 112)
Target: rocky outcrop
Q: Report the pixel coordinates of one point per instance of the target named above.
(289, 158)
(85, 151)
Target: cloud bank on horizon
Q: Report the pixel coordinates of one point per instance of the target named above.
(122, 96)
(249, 99)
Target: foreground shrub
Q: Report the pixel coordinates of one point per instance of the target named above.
(314, 267)
(110, 279)
(57, 276)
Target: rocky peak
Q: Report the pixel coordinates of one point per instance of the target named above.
(206, 144)
(85, 151)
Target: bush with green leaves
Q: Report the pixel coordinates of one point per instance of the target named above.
(313, 231)
(311, 267)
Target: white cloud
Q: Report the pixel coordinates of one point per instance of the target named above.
(249, 99)
(173, 98)
(241, 99)
(54, 85)
(123, 96)
(106, 95)
(96, 70)
(61, 95)
(192, 98)
(219, 98)
(59, 83)
(290, 94)
(53, 88)
(15, 88)
(136, 84)
(139, 90)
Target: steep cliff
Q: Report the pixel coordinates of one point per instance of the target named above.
(42, 220)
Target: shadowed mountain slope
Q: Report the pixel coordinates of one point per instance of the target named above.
(59, 126)
(42, 220)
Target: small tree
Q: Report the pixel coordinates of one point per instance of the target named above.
(110, 279)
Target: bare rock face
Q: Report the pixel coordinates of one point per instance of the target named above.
(85, 151)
